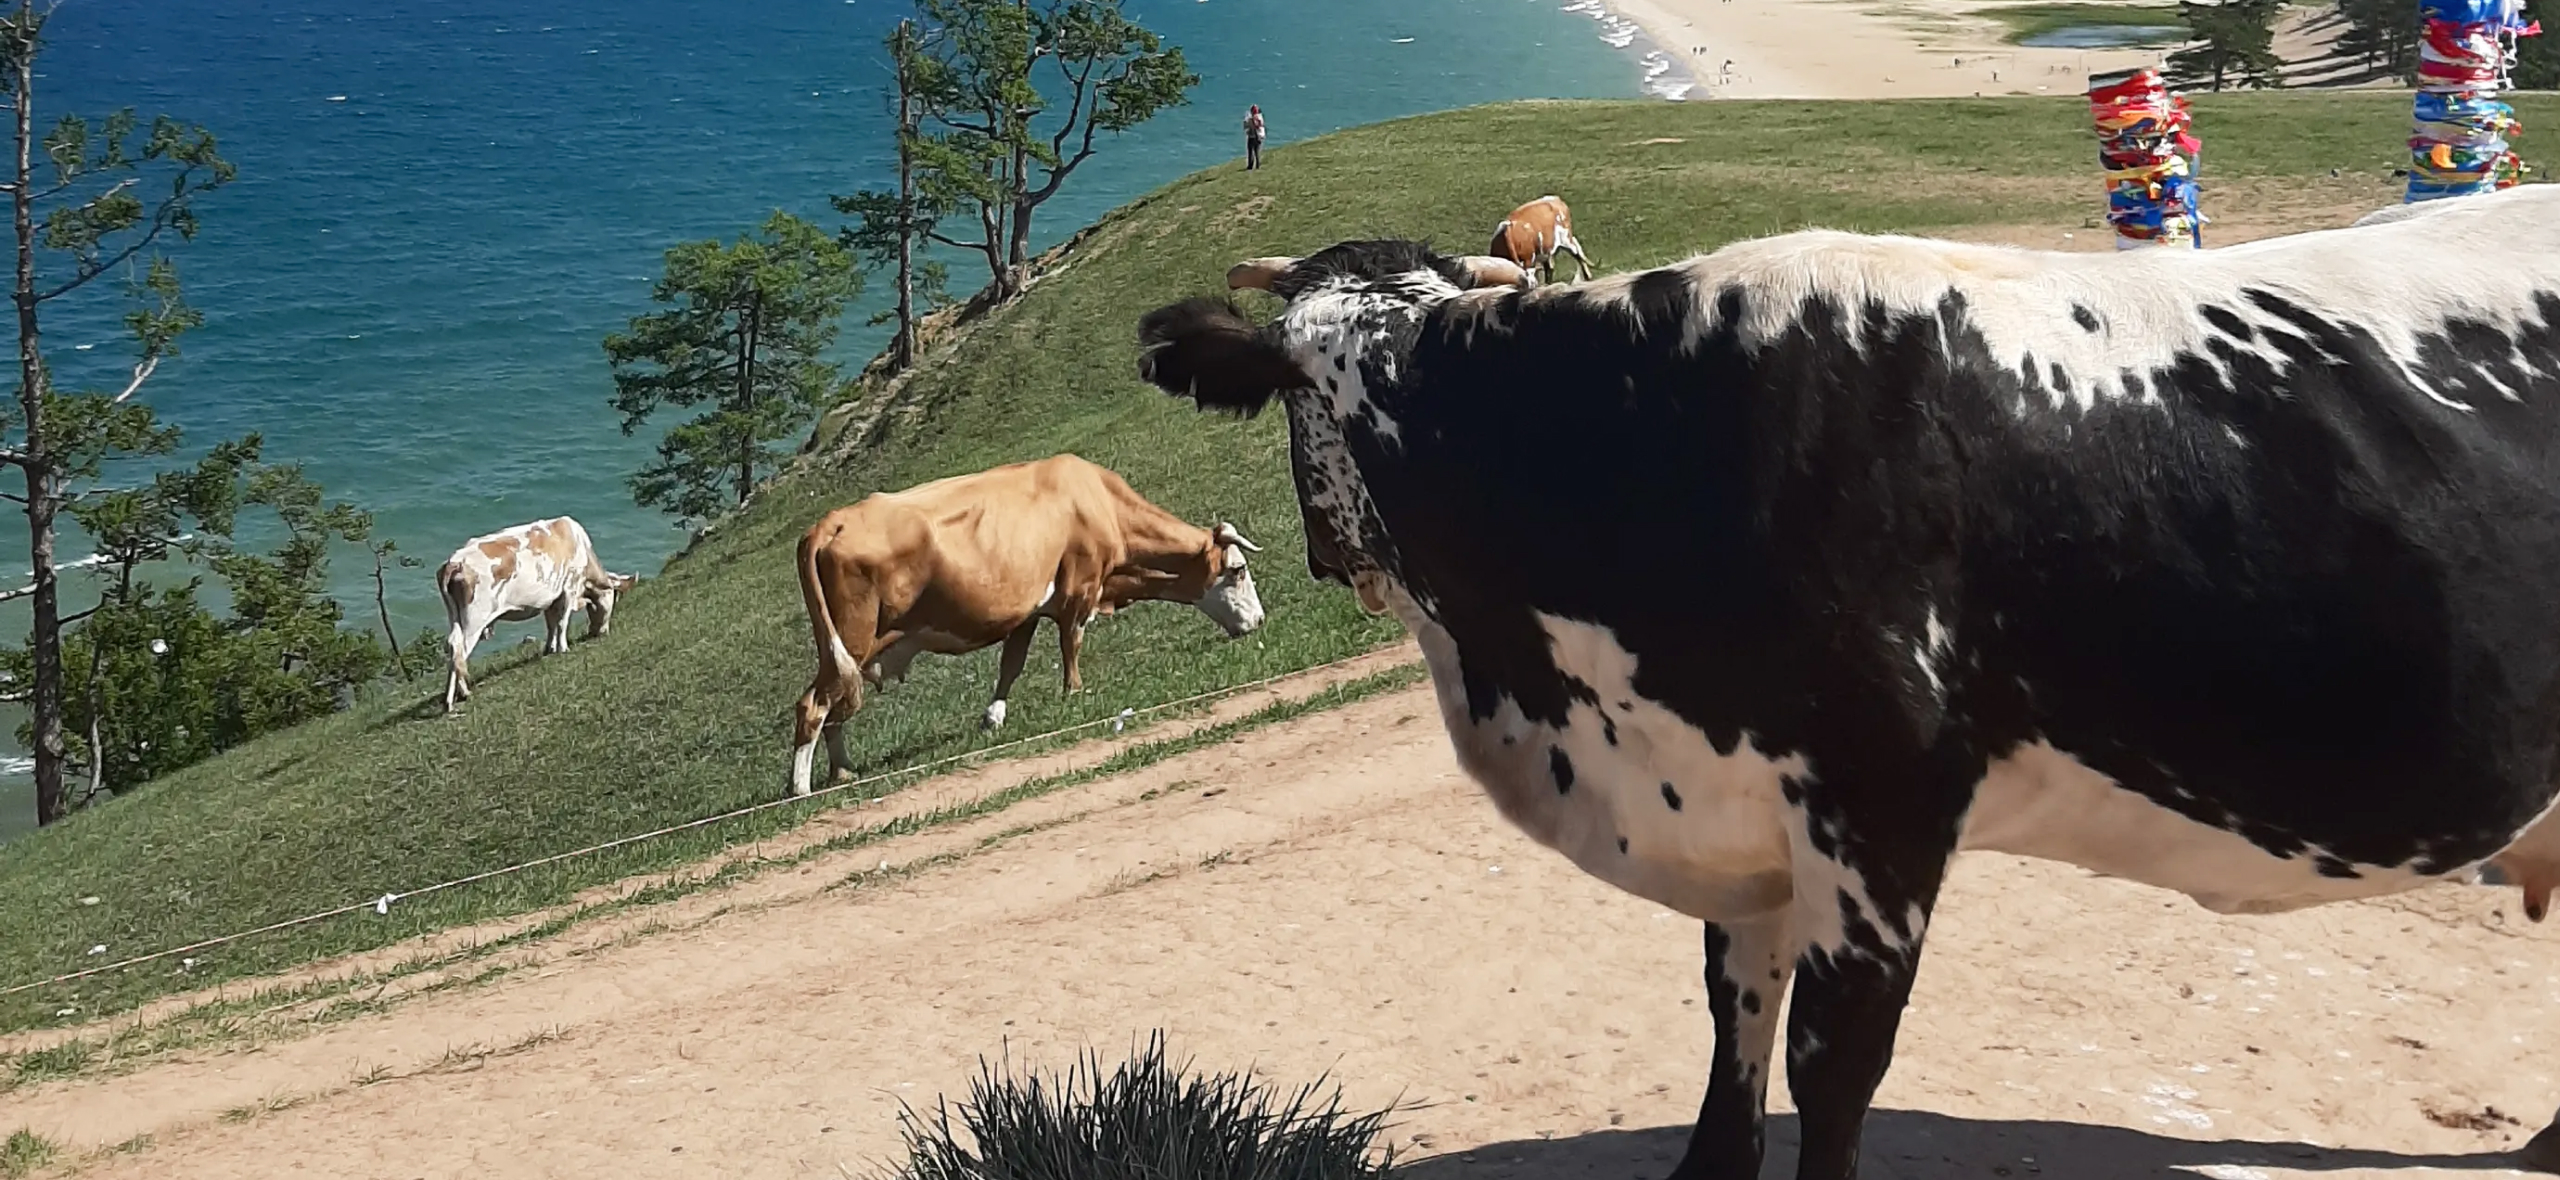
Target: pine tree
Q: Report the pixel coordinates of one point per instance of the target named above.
(2237, 45)
(87, 201)
(745, 333)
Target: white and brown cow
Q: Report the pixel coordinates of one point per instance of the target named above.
(1535, 233)
(547, 568)
(959, 564)
(1761, 584)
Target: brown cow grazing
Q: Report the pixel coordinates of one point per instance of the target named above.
(1535, 233)
(957, 564)
(547, 568)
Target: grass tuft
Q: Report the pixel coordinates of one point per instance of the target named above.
(1147, 1119)
(24, 1152)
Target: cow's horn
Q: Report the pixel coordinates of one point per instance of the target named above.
(1485, 270)
(1258, 272)
(1226, 534)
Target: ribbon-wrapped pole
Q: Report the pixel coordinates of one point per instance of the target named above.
(2466, 52)
(2148, 153)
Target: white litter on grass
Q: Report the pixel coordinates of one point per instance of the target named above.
(88, 901)
(1121, 721)
(99, 949)
(382, 904)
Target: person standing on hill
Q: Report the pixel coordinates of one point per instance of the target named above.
(1252, 138)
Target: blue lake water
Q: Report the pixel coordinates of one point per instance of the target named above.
(2105, 36)
(443, 207)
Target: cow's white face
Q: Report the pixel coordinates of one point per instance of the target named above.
(599, 602)
(1231, 600)
(1352, 311)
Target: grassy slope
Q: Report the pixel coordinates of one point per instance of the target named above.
(682, 712)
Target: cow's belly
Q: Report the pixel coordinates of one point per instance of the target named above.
(1656, 812)
(2042, 802)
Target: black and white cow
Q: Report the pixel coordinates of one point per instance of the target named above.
(1761, 584)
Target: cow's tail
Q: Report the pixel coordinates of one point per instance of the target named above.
(822, 624)
(453, 585)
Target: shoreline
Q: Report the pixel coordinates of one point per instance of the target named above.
(1924, 49)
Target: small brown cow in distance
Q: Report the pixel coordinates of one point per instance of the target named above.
(1535, 233)
(958, 564)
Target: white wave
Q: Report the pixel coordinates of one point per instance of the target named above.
(12, 767)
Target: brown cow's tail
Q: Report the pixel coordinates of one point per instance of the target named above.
(822, 624)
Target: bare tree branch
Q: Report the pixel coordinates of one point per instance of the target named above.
(65, 186)
(141, 373)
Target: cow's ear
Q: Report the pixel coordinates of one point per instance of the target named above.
(1205, 350)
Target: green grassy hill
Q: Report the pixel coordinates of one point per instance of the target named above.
(683, 711)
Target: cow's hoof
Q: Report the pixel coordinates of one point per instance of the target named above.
(2542, 1152)
(994, 717)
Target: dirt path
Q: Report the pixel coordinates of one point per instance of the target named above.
(1330, 894)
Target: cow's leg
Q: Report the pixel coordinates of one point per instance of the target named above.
(853, 621)
(829, 700)
(1863, 896)
(463, 634)
(1072, 617)
(839, 763)
(1017, 648)
(458, 643)
(1565, 241)
(1747, 976)
(555, 625)
(1748, 963)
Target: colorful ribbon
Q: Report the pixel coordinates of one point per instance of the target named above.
(2147, 152)
(2459, 143)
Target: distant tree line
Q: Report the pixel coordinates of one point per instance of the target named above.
(2234, 45)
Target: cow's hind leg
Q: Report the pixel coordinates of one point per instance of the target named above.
(839, 763)
(828, 695)
(465, 634)
(1582, 268)
(1748, 964)
(1017, 648)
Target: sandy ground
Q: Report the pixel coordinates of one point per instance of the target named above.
(1332, 895)
(1882, 49)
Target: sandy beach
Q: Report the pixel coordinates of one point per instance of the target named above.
(1860, 49)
